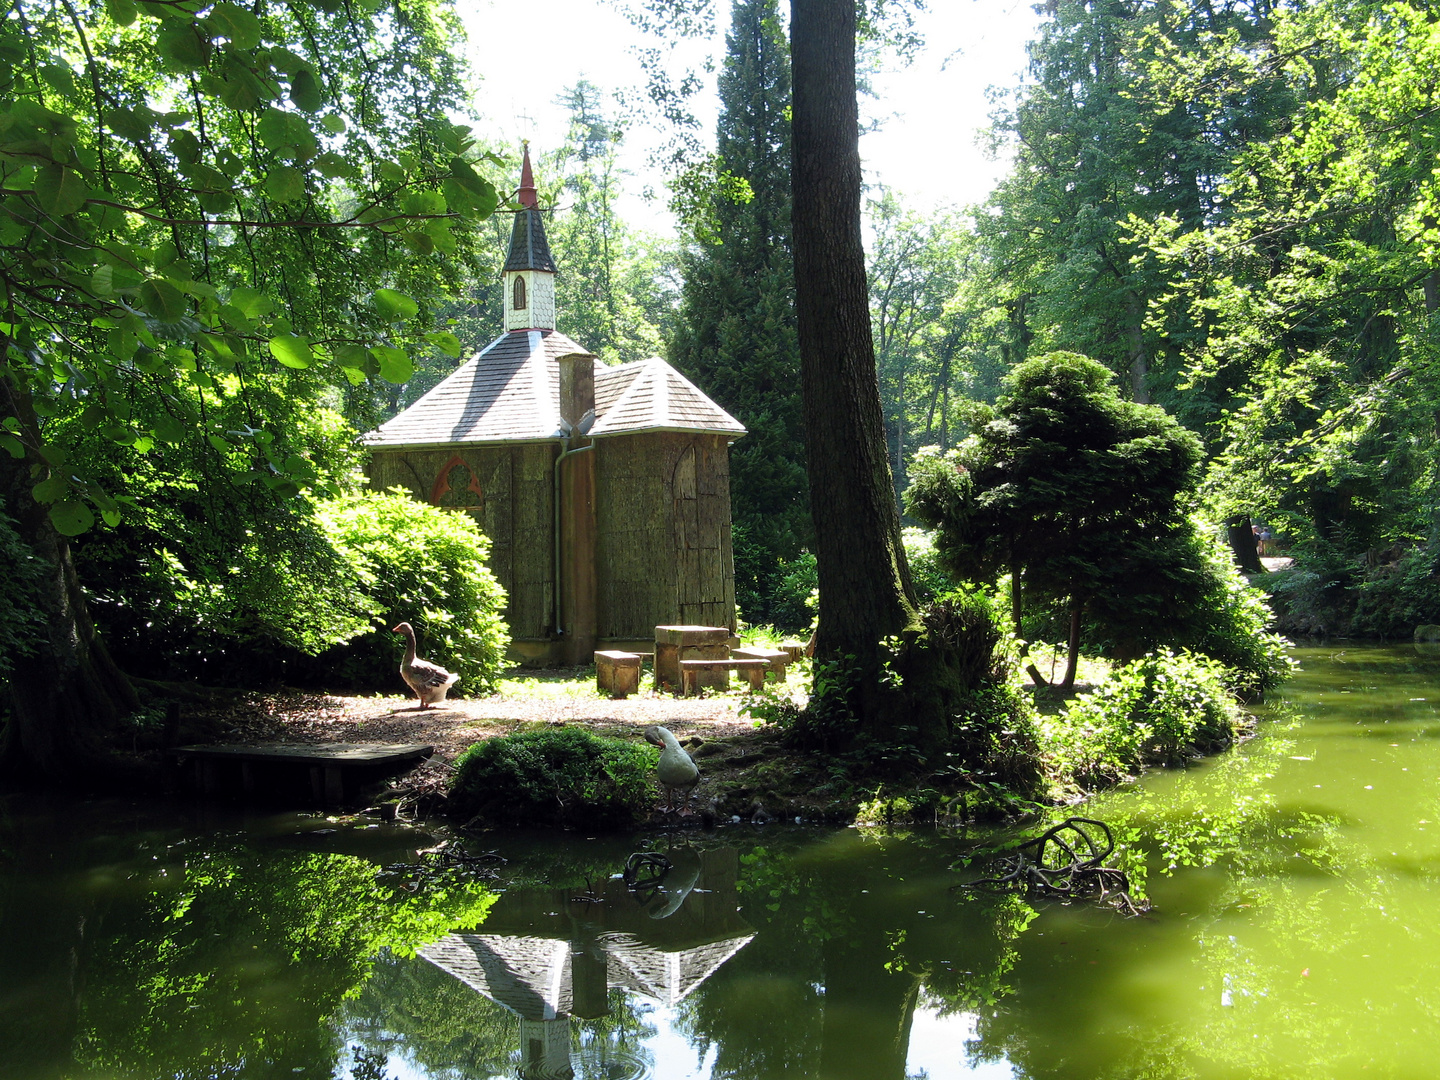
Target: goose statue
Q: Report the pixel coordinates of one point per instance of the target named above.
(430, 681)
(677, 771)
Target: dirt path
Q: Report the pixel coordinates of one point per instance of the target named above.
(450, 728)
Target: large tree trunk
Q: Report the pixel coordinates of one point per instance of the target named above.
(66, 699)
(1240, 535)
(865, 593)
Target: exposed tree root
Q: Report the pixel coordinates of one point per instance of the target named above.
(1066, 862)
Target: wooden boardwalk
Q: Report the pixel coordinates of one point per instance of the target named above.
(335, 770)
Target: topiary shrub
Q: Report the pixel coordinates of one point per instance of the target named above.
(425, 566)
(1161, 709)
(561, 778)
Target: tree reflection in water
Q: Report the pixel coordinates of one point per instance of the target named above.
(133, 949)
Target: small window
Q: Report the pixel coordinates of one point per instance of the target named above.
(517, 299)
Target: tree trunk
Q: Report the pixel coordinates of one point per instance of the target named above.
(869, 1010)
(1016, 613)
(865, 593)
(1072, 652)
(1240, 534)
(68, 697)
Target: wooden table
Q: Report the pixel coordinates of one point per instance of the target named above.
(676, 643)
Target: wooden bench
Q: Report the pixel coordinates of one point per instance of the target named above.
(796, 650)
(691, 670)
(617, 673)
(275, 771)
(778, 659)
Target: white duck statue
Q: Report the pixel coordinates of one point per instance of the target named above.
(677, 770)
(431, 682)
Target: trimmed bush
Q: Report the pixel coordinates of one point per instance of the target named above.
(1161, 709)
(561, 778)
(425, 566)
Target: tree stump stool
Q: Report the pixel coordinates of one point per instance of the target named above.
(617, 673)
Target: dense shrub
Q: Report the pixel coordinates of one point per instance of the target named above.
(995, 737)
(929, 577)
(797, 595)
(1231, 623)
(217, 569)
(20, 624)
(563, 778)
(422, 565)
(1395, 598)
(241, 602)
(1160, 709)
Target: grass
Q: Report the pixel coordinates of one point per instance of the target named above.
(553, 684)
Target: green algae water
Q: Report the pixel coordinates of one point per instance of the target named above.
(1295, 884)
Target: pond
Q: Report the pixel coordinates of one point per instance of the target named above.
(1293, 934)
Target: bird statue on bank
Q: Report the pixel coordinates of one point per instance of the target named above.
(430, 681)
(677, 770)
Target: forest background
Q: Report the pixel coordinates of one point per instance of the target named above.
(1232, 207)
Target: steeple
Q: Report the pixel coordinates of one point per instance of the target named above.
(529, 270)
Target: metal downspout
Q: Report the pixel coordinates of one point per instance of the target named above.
(555, 498)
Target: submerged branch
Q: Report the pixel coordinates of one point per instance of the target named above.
(1066, 861)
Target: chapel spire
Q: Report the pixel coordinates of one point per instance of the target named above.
(529, 273)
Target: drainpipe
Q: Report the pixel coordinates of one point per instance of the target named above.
(565, 453)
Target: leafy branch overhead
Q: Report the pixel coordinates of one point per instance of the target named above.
(197, 202)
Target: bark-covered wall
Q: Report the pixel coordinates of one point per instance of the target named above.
(663, 523)
(510, 491)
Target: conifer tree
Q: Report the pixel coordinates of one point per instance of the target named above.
(737, 338)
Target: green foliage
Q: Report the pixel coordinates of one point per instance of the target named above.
(426, 566)
(1316, 290)
(927, 573)
(20, 624)
(211, 579)
(996, 743)
(935, 320)
(197, 199)
(1064, 484)
(1392, 599)
(1161, 709)
(563, 778)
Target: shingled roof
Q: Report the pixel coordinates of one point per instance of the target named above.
(510, 392)
(529, 250)
(650, 395)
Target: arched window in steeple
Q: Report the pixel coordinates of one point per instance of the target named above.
(517, 297)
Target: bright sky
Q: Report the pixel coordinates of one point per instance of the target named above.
(529, 51)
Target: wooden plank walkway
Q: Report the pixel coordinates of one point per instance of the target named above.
(335, 769)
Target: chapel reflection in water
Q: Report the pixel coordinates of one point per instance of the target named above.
(548, 955)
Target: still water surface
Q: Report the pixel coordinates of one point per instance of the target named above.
(1295, 883)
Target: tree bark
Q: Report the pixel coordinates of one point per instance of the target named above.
(1240, 534)
(67, 698)
(1072, 651)
(1017, 611)
(865, 593)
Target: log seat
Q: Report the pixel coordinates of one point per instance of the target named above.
(690, 673)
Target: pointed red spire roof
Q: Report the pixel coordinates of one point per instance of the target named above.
(529, 250)
(526, 195)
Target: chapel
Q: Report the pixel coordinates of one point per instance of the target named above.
(604, 489)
